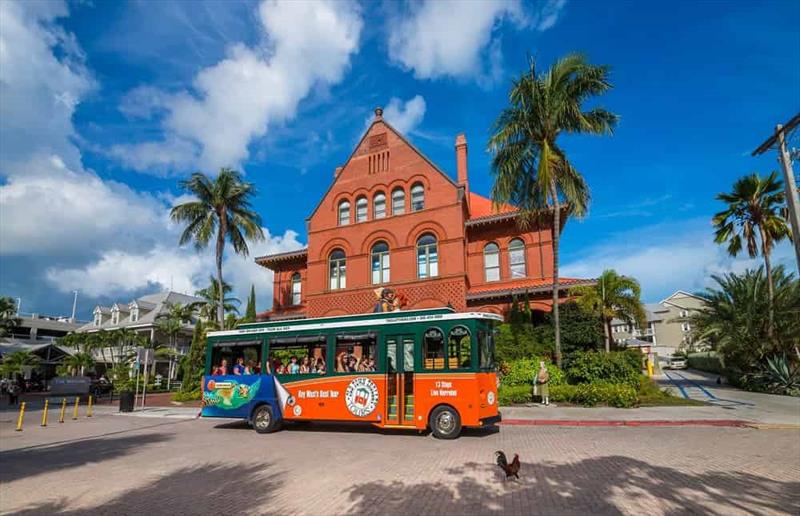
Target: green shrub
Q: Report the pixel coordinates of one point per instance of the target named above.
(615, 367)
(709, 361)
(523, 371)
(520, 341)
(187, 396)
(591, 394)
(511, 394)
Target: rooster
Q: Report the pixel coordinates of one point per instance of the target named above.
(511, 470)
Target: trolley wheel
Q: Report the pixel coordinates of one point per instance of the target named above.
(263, 420)
(445, 422)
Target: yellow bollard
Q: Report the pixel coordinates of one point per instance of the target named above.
(44, 412)
(63, 409)
(89, 407)
(75, 411)
(21, 416)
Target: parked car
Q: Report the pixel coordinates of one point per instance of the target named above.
(677, 362)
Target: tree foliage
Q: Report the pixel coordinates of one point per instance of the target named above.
(194, 361)
(208, 307)
(733, 320)
(250, 313)
(8, 316)
(222, 210)
(530, 168)
(613, 297)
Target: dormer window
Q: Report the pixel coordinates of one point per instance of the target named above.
(115, 315)
(134, 313)
(98, 318)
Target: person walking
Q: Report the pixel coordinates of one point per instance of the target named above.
(543, 379)
(13, 394)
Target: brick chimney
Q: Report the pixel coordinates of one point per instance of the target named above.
(461, 161)
(337, 172)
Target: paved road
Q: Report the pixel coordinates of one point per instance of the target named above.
(739, 404)
(121, 465)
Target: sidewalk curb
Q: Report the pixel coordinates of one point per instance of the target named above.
(736, 423)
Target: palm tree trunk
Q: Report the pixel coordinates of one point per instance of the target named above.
(223, 229)
(607, 331)
(770, 286)
(556, 231)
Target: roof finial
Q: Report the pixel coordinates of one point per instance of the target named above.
(378, 113)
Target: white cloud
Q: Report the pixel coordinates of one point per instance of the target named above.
(119, 272)
(667, 257)
(403, 116)
(38, 91)
(307, 44)
(548, 15)
(98, 236)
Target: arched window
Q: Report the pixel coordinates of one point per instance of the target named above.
(417, 197)
(427, 257)
(491, 262)
(398, 201)
(433, 349)
(459, 349)
(337, 267)
(379, 206)
(344, 213)
(516, 254)
(380, 263)
(296, 288)
(361, 209)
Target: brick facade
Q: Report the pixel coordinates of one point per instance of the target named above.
(461, 222)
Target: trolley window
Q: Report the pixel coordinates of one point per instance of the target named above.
(356, 352)
(459, 349)
(298, 355)
(433, 349)
(235, 357)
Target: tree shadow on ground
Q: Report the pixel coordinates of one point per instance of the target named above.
(199, 490)
(27, 462)
(607, 485)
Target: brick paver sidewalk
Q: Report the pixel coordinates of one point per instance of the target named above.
(122, 465)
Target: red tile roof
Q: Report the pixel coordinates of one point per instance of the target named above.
(480, 206)
(520, 286)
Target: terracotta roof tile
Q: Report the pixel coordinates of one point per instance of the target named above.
(521, 285)
(480, 206)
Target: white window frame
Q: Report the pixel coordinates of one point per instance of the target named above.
(429, 266)
(379, 200)
(382, 273)
(297, 289)
(343, 216)
(417, 197)
(337, 271)
(517, 244)
(398, 208)
(362, 209)
(491, 271)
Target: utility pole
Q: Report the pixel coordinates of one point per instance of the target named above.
(778, 140)
(792, 202)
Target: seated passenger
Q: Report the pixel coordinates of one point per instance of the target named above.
(294, 367)
(279, 367)
(222, 369)
(256, 367)
(248, 369)
(238, 369)
(320, 366)
(305, 366)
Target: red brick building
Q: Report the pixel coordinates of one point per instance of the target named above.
(394, 218)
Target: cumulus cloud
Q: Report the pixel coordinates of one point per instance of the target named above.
(405, 116)
(118, 272)
(306, 44)
(458, 38)
(666, 257)
(95, 235)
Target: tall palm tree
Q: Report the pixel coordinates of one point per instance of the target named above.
(613, 297)
(222, 208)
(171, 323)
(210, 295)
(530, 168)
(8, 316)
(79, 363)
(754, 216)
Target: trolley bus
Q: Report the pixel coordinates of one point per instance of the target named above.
(418, 369)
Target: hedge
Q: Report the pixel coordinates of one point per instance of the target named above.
(620, 395)
(524, 370)
(623, 367)
(709, 361)
(511, 394)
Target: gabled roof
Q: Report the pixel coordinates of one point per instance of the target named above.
(160, 304)
(670, 299)
(377, 119)
(274, 259)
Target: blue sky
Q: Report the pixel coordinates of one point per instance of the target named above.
(106, 106)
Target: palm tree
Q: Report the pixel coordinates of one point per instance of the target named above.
(208, 307)
(171, 323)
(79, 362)
(754, 215)
(223, 208)
(613, 297)
(123, 339)
(14, 363)
(530, 169)
(8, 316)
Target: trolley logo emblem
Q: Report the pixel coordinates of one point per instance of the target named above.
(490, 397)
(361, 397)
